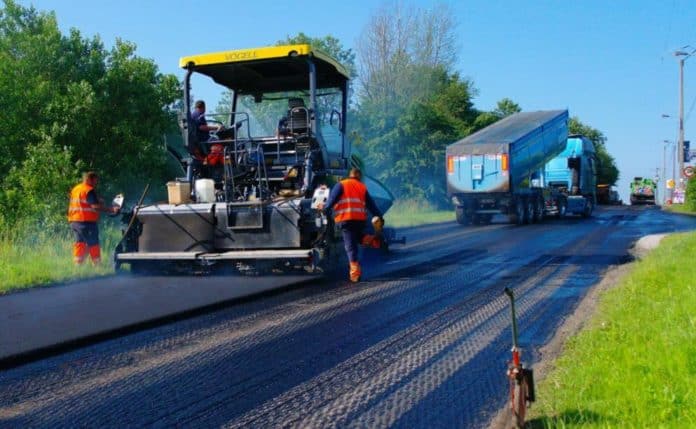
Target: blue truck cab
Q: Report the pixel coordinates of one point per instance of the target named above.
(572, 179)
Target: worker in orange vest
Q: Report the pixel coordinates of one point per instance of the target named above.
(83, 215)
(350, 202)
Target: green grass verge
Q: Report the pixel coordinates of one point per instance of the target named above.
(44, 259)
(679, 208)
(635, 364)
(412, 213)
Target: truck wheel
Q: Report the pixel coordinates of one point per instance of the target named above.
(519, 211)
(562, 209)
(462, 218)
(529, 211)
(539, 210)
(587, 212)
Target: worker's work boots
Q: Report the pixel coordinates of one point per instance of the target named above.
(355, 272)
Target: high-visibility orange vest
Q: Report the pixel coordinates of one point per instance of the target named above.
(351, 204)
(79, 209)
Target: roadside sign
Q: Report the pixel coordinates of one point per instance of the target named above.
(689, 171)
(670, 183)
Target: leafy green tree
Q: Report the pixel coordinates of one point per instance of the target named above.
(410, 104)
(328, 44)
(506, 107)
(408, 156)
(26, 200)
(70, 104)
(607, 172)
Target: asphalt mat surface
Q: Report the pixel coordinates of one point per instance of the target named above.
(423, 342)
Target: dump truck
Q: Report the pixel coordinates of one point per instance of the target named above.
(499, 169)
(642, 191)
(571, 179)
(249, 198)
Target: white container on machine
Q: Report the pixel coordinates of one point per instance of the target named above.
(205, 191)
(179, 192)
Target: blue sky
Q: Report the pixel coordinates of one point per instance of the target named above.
(608, 63)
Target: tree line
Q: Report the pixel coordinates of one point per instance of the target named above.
(70, 105)
(409, 103)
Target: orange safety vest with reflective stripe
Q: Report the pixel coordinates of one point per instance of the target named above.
(79, 209)
(351, 203)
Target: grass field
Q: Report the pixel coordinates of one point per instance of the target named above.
(44, 259)
(635, 364)
(411, 212)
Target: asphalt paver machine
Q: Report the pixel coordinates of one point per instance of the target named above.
(249, 197)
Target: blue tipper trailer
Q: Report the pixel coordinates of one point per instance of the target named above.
(500, 169)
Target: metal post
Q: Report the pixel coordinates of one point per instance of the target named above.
(511, 295)
(664, 173)
(680, 145)
(684, 53)
(674, 169)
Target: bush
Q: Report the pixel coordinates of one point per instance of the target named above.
(690, 198)
(38, 190)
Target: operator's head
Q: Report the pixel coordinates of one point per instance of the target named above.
(90, 178)
(200, 104)
(355, 173)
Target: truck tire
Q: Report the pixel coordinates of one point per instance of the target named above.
(462, 218)
(587, 212)
(529, 210)
(562, 208)
(519, 211)
(538, 209)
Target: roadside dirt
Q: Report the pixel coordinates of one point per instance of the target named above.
(572, 325)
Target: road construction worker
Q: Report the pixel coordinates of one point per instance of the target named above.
(83, 215)
(350, 202)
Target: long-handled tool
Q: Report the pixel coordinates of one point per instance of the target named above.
(126, 231)
(521, 379)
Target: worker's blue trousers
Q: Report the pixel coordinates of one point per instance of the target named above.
(353, 232)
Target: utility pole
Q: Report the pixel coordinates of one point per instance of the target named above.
(664, 172)
(680, 144)
(675, 176)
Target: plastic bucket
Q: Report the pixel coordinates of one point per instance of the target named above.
(205, 191)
